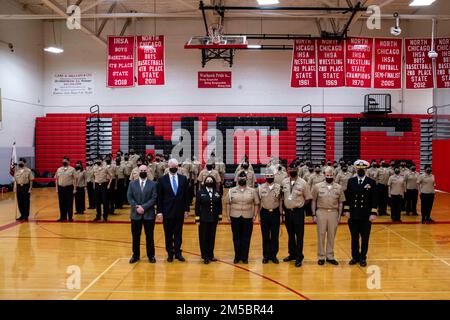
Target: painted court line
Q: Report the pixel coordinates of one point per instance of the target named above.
(96, 279)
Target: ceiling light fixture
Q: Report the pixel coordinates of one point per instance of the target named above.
(53, 50)
(267, 2)
(420, 3)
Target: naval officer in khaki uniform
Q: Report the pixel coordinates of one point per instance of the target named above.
(327, 204)
(209, 171)
(412, 191)
(280, 174)
(65, 187)
(23, 184)
(250, 174)
(101, 181)
(296, 194)
(427, 184)
(269, 216)
(383, 191)
(242, 209)
(90, 184)
(397, 187)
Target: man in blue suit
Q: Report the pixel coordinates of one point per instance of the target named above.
(173, 208)
(141, 196)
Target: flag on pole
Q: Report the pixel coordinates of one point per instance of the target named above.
(13, 161)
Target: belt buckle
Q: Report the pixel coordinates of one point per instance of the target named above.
(329, 210)
(270, 210)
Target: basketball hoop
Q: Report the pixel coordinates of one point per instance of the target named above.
(215, 32)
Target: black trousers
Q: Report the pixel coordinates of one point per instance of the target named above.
(80, 199)
(294, 221)
(383, 197)
(120, 193)
(111, 192)
(411, 200)
(242, 229)
(23, 200)
(270, 230)
(65, 198)
(101, 199)
(207, 238)
(426, 205)
(91, 194)
(173, 233)
(360, 229)
(127, 183)
(396, 207)
(136, 230)
(308, 209)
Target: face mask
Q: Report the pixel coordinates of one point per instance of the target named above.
(397, 171)
(280, 168)
(413, 169)
(108, 162)
(344, 169)
(374, 166)
(242, 182)
(311, 170)
(65, 164)
(269, 180)
(335, 166)
(173, 170)
(317, 171)
(245, 166)
(118, 162)
(78, 167)
(99, 163)
(293, 174)
(143, 174)
(131, 152)
(209, 167)
(428, 171)
(21, 165)
(209, 184)
(157, 160)
(329, 164)
(126, 158)
(139, 164)
(361, 173)
(329, 180)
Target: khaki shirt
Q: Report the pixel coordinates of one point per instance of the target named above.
(128, 168)
(351, 169)
(404, 171)
(23, 176)
(135, 174)
(220, 167)
(120, 171)
(342, 179)
(189, 167)
(251, 179)
(315, 179)
(81, 177)
(411, 180)
(101, 174)
(306, 175)
(242, 202)
(373, 173)
(279, 176)
(297, 194)
(197, 168)
(112, 170)
(269, 195)
(383, 176)
(133, 158)
(89, 174)
(328, 197)
(397, 185)
(204, 173)
(160, 168)
(65, 176)
(426, 182)
(302, 171)
(152, 168)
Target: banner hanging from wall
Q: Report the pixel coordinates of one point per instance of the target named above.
(443, 63)
(150, 60)
(419, 69)
(303, 73)
(120, 68)
(388, 64)
(330, 64)
(214, 79)
(358, 67)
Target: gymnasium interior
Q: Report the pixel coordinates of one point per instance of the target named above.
(316, 80)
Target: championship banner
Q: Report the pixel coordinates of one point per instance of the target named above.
(443, 63)
(120, 64)
(304, 64)
(214, 79)
(419, 68)
(388, 64)
(150, 60)
(330, 63)
(358, 67)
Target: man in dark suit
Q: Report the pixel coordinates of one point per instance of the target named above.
(173, 208)
(361, 211)
(141, 195)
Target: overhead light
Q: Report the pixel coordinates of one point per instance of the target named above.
(254, 46)
(54, 50)
(267, 2)
(418, 3)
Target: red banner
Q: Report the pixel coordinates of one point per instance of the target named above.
(358, 67)
(214, 79)
(330, 61)
(304, 64)
(150, 60)
(120, 68)
(443, 63)
(419, 69)
(388, 64)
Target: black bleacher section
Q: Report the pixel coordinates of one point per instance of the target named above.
(141, 135)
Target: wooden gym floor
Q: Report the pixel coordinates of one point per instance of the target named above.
(414, 260)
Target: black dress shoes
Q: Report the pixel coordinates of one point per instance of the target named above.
(353, 262)
(134, 260)
(96, 219)
(298, 264)
(363, 263)
(20, 219)
(333, 262)
(213, 259)
(321, 262)
(206, 261)
(70, 220)
(169, 259)
(245, 261)
(152, 260)
(288, 258)
(180, 258)
(61, 220)
(265, 261)
(236, 260)
(275, 260)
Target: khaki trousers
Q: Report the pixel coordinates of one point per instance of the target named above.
(327, 223)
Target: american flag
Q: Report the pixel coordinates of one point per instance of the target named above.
(12, 163)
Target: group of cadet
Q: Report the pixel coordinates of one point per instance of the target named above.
(359, 191)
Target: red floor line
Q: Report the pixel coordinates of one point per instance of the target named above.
(9, 225)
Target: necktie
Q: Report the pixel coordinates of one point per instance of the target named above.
(360, 182)
(174, 185)
(142, 185)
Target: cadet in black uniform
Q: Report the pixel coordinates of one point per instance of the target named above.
(361, 211)
(208, 212)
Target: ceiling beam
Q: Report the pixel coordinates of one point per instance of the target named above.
(104, 21)
(366, 4)
(60, 11)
